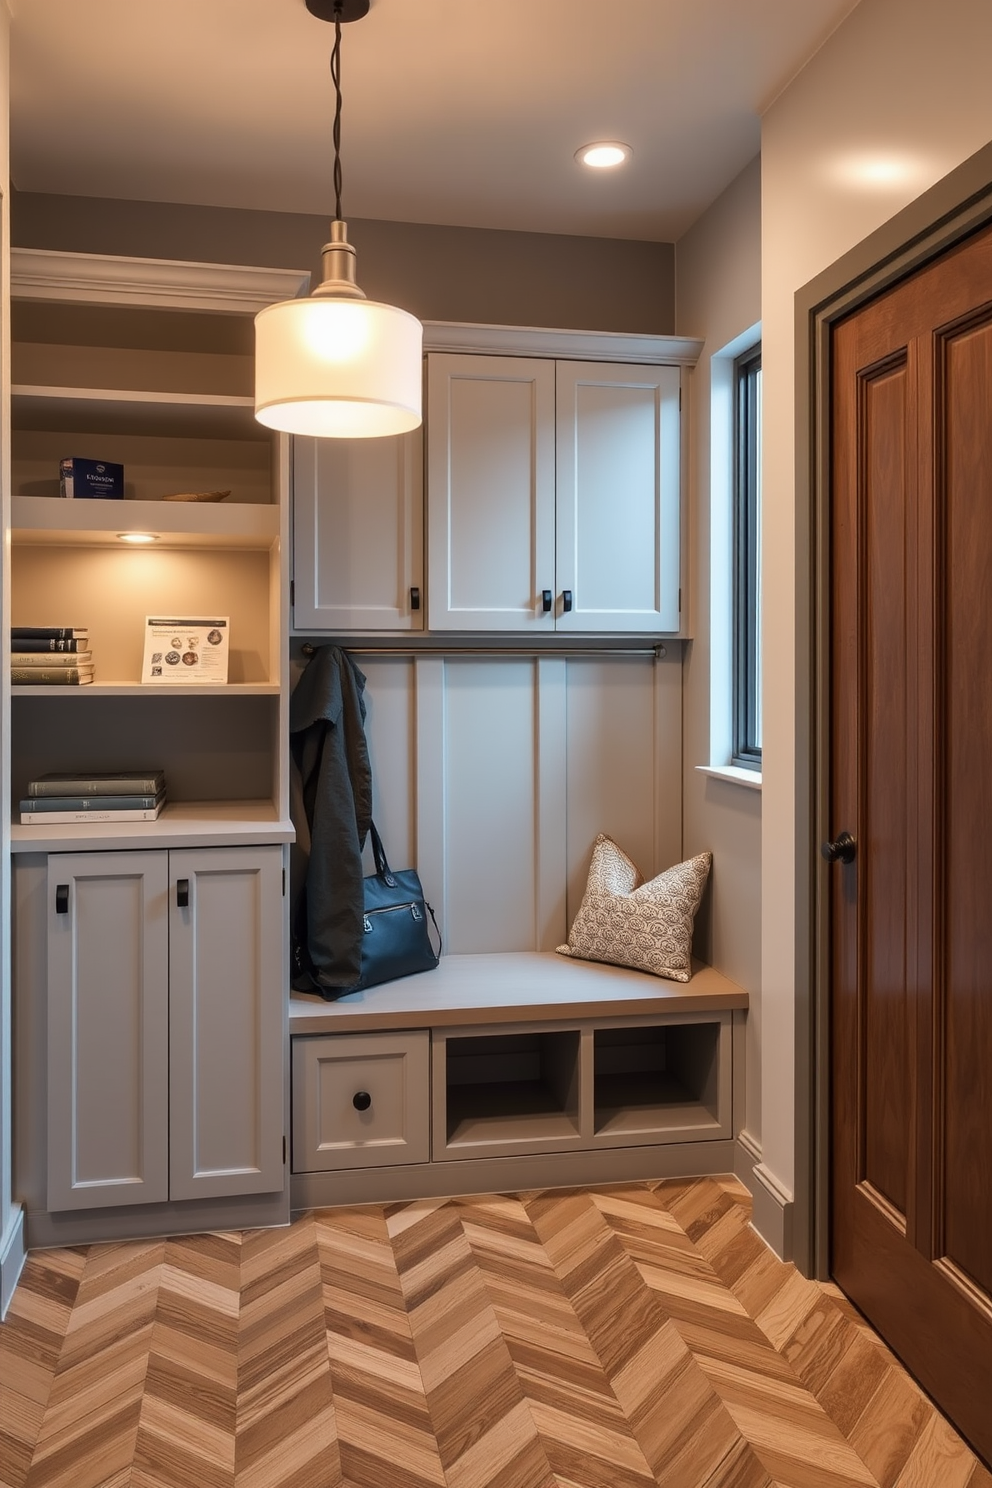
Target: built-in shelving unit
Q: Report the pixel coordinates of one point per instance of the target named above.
(150, 365)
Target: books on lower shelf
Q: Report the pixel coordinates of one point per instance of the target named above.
(98, 783)
(50, 656)
(63, 799)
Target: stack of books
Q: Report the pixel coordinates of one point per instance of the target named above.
(115, 796)
(50, 656)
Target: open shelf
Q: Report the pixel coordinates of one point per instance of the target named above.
(39, 521)
(648, 1081)
(181, 824)
(517, 1090)
(80, 410)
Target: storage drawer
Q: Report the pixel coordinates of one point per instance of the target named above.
(360, 1100)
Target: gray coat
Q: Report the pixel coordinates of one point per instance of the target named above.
(332, 810)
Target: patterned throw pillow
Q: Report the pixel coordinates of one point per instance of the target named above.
(647, 926)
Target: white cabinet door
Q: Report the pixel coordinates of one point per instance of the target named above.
(108, 1029)
(358, 540)
(490, 493)
(227, 1052)
(617, 510)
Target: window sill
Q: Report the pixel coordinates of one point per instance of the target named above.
(750, 779)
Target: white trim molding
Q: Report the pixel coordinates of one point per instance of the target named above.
(103, 279)
(772, 1203)
(736, 774)
(581, 346)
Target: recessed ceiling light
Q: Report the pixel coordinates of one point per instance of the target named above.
(603, 154)
(138, 537)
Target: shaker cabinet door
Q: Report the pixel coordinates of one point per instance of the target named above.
(108, 1025)
(617, 510)
(490, 492)
(358, 540)
(227, 1040)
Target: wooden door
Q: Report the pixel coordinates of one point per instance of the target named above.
(911, 780)
(227, 1026)
(358, 538)
(490, 493)
(108, 1028)
(617, 510)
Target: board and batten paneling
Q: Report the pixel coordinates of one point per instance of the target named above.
(494, 775)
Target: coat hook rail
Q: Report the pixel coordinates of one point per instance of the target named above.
(658, 652)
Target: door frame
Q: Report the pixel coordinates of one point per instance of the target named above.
(957, 205)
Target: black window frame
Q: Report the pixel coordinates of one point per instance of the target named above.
(747, 560)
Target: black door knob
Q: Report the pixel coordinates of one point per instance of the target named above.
(361, 1100)
(841, 850)
(547, 599)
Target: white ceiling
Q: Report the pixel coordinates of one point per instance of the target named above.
(462, 112)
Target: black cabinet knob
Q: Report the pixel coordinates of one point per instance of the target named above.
(841, 850)
(547, 598)
(61, 898)
(361, 1100)
(566, 601)
(415, 598)
(182, 893)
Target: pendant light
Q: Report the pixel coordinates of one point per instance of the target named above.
(335, 363)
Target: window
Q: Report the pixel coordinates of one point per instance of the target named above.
(747, 561)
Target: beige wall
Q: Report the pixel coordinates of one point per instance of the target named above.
(437, 273)
(718, 297)
(897, 97)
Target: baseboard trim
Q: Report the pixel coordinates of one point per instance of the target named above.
(772, 1212)
(402, 1184)
(771, 1204)
(12, 1258)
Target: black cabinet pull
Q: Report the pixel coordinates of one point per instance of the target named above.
(182, 893)
(546, 601)
(361, 1100)
(566, 601)
(61, 898)
(415, 598)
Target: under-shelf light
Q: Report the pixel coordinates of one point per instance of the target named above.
(138, 537)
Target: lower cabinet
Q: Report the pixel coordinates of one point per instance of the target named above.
(165, 1003)
(504, 1090)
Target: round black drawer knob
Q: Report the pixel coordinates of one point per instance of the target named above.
(362, 1100)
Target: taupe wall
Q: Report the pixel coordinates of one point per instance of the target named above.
(437, 273)
(719, 298)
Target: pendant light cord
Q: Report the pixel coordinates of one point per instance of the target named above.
(336, 80)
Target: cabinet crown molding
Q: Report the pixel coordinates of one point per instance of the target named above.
(583, 346)
(101, 278)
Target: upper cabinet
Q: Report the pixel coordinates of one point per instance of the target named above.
(358, 533)
(553, 495)
(552, 503)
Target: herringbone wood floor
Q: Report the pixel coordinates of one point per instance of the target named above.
(609, 1338)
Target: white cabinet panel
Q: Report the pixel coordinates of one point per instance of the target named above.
(617, 532)
(490, 805)
(226, 1026)
(490, 484)
(624, 730)
(108, 1021)
(358, 534)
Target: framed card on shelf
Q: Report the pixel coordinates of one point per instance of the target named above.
(185, 650)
